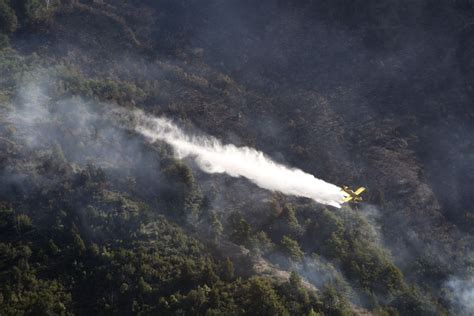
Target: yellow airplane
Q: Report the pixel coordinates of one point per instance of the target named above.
(353, 196)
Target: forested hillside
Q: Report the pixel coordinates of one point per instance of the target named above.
(96, 219)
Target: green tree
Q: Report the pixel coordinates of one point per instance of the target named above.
(227, 270)
(217, 227)
(291, 248)
(240, 230)
(209, 276)
(285, 223)
(4, 41)
(143, 286)
(333, 302)
(24, 222)
(260, 298)
(312, 312)
(53, 248)
(28, 10)
(78, 243)
(8, 19)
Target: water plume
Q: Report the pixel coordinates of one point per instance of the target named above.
(214, 157)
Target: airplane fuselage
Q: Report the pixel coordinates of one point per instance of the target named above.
(353, 196)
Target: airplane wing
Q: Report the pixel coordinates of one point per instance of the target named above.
(347, 199)
(359, 191)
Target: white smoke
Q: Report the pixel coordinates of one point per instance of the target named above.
(214, 157)
(463, 294)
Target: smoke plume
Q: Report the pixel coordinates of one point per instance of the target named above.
(214, 157)
(463, 294)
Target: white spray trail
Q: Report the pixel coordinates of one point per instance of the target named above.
(214, 157)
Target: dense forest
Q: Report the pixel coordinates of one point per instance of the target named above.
(95, 219)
